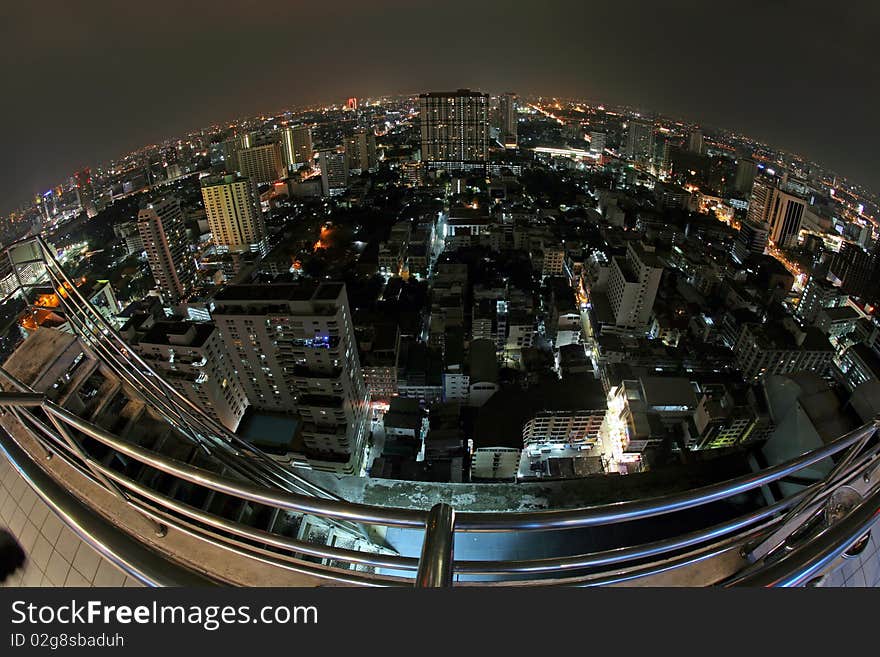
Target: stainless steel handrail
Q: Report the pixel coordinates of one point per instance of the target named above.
(435, 564)
(418, 519)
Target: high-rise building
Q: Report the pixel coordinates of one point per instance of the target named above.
(360, 150)
(858, 270)
(597, 142)
(163, 232)
(782, 211)
(695, 141)
(233, 211)
(818, 293)
(779, 348)
(85, 192)
(262, 163)
(295, 352)
(507, 103)
(746, 169)
(192, 358)
(640, 140)
(632, 286)
(751, 240)
(296, 146)
(454, 126)
(334, 171)
(230, 151)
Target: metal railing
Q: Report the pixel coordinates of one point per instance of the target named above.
(765, 541)
(442, 524)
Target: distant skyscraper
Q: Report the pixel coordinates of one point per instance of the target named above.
(695, 141)
(352, 103)
(597, 142)
(334, 171)
(746, 169)
(640, 140)
(508, 103)
(782, 211)
(163, 232)
(454, 126)
(230, 151)
(360, 149)
(295, 352)
(296, 145)
(85, 192)
(234, 215)
(262, 164)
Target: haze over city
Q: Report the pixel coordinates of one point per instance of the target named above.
(86, 82)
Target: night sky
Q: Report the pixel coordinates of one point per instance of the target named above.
(88, 80)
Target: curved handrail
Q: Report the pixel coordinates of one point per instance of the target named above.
(467, 522)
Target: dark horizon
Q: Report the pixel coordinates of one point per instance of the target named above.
(88, 84)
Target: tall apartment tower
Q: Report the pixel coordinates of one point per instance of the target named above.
(597, 142)
(746, 170)
(192, 358)
(296, 147)
(234, 215)
(163, 232)
(640, 140)
(455, 126)
(85, 192)
(334, 171)
(695, 141)
(751, 240)
(231, 147)
(262, 164)
(360, 150)
(295, 352)
(782, 211)
(507, 105)
(632, 286)
(858, 270)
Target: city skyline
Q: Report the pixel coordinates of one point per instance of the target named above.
(738, 94)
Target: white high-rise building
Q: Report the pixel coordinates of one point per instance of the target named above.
(234, 215)
(294, 349)
(262, 163)
(597, 142)
(632, 286)
(192, 358)
(163, 233)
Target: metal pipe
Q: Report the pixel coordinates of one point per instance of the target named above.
(620, 555)
(328, 508)
(435, 563)
(258, 535)
(813, 557)
(638, 509)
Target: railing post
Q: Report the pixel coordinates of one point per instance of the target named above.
(435, 564)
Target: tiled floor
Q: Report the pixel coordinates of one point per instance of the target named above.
(56, 556)
(862, 570)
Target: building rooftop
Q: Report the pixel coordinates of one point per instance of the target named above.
(267, 292)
